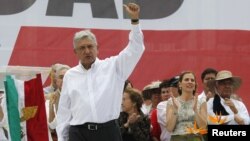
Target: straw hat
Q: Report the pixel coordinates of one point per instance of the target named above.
(225, 74)
(152, 85)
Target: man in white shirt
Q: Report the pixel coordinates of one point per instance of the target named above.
(206, 75)
(234, 111)
(151, 97)
(168, 88)
(91, 94)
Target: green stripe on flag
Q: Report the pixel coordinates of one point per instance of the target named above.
(12, 108)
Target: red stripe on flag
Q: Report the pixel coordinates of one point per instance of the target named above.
(37, 129)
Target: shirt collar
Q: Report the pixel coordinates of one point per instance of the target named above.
(97, 60)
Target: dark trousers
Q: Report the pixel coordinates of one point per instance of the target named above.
(108, 131)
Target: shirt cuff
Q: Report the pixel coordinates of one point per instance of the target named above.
(230, 118)
(136, 28)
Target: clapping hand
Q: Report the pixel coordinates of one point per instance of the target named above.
(133, 118)
(176, 103)
(230, 103)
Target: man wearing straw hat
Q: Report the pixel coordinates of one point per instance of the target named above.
(233, 111)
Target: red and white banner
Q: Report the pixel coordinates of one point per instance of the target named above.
(179, 35)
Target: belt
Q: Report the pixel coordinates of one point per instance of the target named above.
(97, 126)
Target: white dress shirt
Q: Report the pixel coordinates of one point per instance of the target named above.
(95, 95)
(202, 96)
(161, 118)
(146, 109)
(242, 111)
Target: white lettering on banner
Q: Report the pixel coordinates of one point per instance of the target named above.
(216, 132)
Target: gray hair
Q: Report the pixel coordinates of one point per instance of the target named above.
(61, 68)
(84, 34)
(55, 66)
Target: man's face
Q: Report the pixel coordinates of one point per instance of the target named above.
(210, 76)
(225, 88)
(156, 98)
(86, 50)
(165, 93)
(174, 91)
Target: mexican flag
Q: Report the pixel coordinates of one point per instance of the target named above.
(26, 109)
